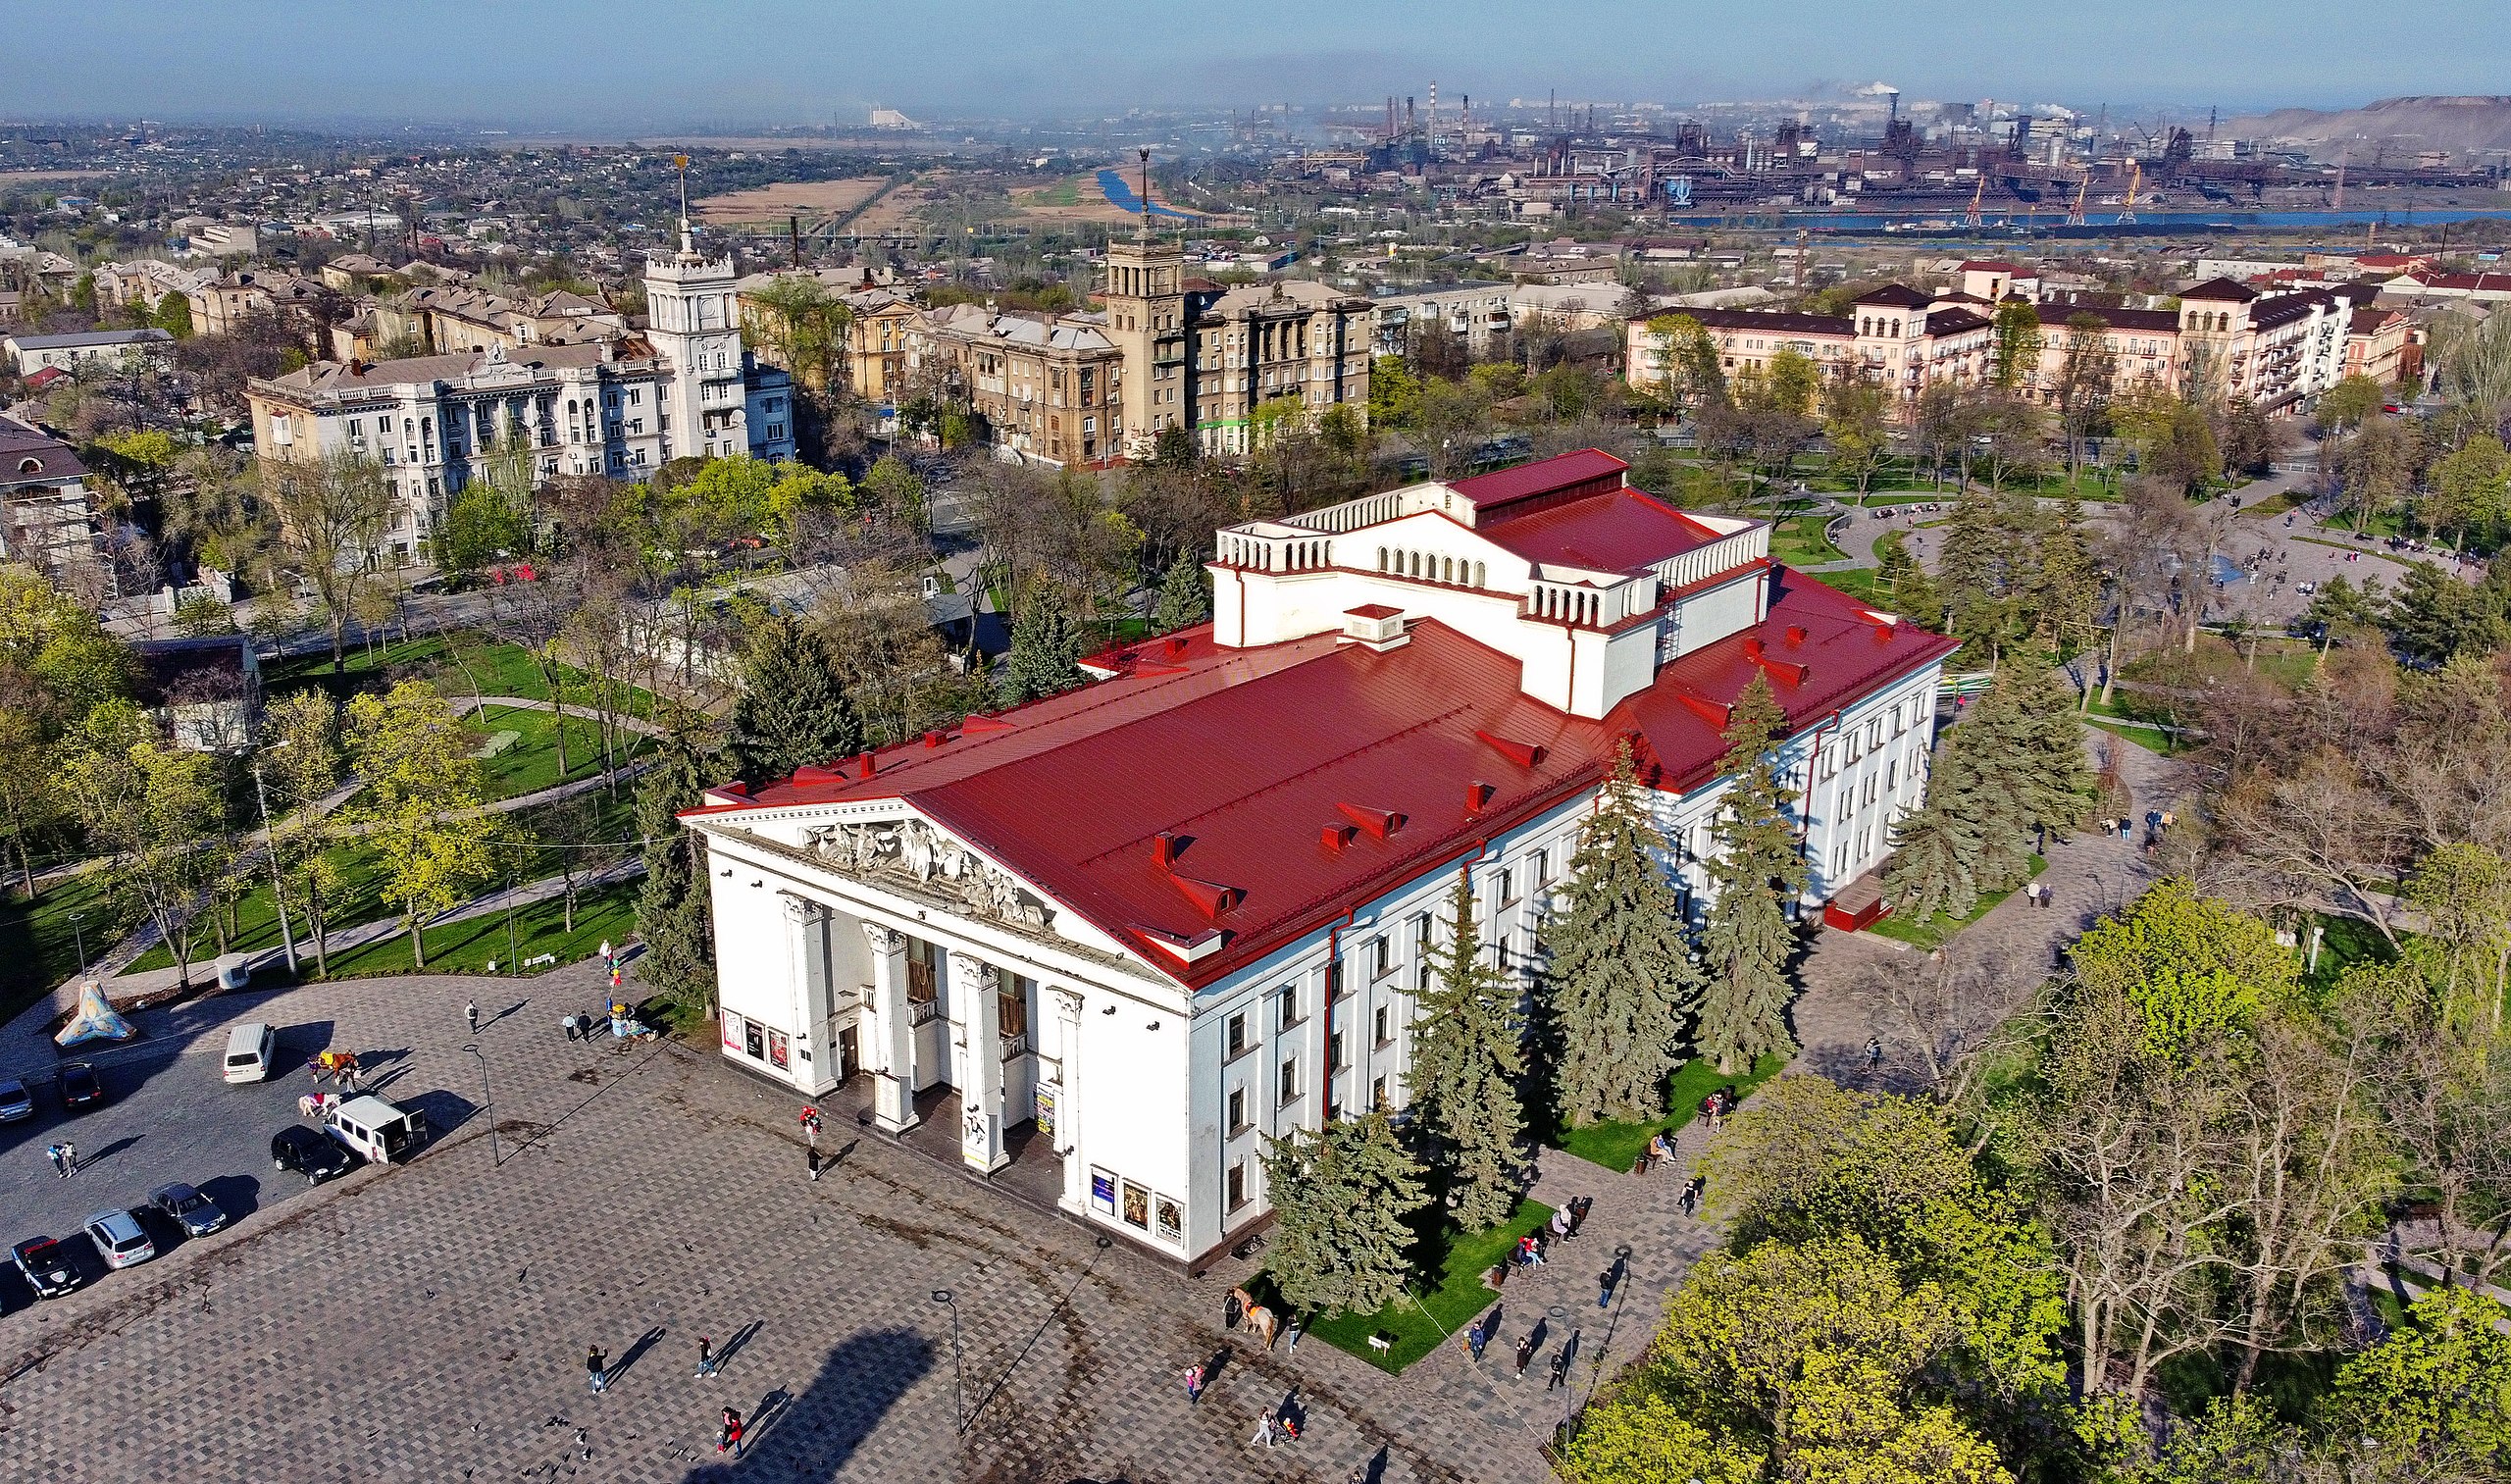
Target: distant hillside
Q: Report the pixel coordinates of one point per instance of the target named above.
(2404, 124)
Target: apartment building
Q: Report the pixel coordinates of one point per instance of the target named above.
(878, 321)
(449, 318)
(619, 405)
(144, 284)
(118, 350)
(1895, 336)
(1051, 387)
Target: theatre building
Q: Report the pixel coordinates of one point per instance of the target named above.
(1101, 942)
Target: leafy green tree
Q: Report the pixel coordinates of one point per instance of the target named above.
(174, 316)
(2433, 616)
(1344, 1201)
(2340, 607)
(2014, 358)
(1747, 940)
(1854, 413)
(1046, 648)
(421, 803)
(793, 709)
(1469, 1051)
(2470, 487)
(1395, 393)
(2193, 967)
(1183, 599)
(2438, 1386)
(2378, 467)
(894, 490)
(2350, 403)
(1622, 982)
(161, 819)
(673, 911)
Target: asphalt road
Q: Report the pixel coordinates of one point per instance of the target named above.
(167, 1116)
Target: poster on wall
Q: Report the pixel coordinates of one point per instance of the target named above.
(1136, 1206)
(1046, 1111)
(1103, 1190)
(732, 1032)
(1171, 1219)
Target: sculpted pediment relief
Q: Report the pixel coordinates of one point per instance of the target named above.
(913, 849)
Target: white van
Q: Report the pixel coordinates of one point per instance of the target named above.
(377, 1131)
(248, 1051)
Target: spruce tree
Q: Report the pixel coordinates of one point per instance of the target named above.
(1747, 939)
(1184, 600)
(1467, 1053)
(1045, 645)
(2054, 780)
(672, 904)
(1622, 981)
(1937, 848)
(792, 710)
(1344, 1202)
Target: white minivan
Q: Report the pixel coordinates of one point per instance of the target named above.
(249, 1048)
(377, 1131)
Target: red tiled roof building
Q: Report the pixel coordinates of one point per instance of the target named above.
(1133, 926)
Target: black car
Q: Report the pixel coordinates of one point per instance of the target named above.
(308, 1154)
(188, 1209)
(80, 1087)
(47, 1267)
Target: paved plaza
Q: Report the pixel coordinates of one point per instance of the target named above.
(430, 1322)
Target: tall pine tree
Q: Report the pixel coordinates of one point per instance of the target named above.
(672, 912)
(1045, 645)
(1622, 981)
(792, 710)
(1183, 599)
(1748, 941)
(1344, 1202)
(1467, 1053)
(2042, 748)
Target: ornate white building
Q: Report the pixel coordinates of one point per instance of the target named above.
(1121, 933)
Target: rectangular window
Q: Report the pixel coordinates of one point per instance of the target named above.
(1542, 868)
(1382, 1024)
(1290, 1006)
(1237, 1033)
(1507, 887)
(1290, 1081)
(1335, 1060)
(1236, 1110)
(1421, 950)
(1237, 1184)
(1381, 956)
(1377, 1094)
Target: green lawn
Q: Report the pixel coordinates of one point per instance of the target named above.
(461, 664)
(1931, 934)
(468, 946)
(1455, 1297)
(1858, 583)
(531, 763)
(2278, 504)
(257, 924)
(1616, 1145)
(1799, 542)
(38, 946)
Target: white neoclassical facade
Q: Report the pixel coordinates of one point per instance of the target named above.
(1115, 937)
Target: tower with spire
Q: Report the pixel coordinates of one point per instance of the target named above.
(696, 327)
(1146, 305)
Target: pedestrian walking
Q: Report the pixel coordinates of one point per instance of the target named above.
(1264, 1430)
(69, 1158)
(597, 1369)
(1874, 1051)
(811, 1155)
(1476, 1336)
(1296, 1327)
(1560, 1367)
(706, 1356)
(470, 1013)
(52, 1151)
(1692, 1190)
(1603, 1285)
(1194, 1384)
(1525, 1355)
(729, 1439)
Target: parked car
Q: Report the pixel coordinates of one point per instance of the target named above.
(48, 1267)
(119, 1238)
(80, 1087)
(16, 1101)
(378, 1131)
(195, 1213)
(308, 1154)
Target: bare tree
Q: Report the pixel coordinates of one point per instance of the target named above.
(331, 513)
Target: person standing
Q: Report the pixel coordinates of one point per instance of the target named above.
(1264, 1431)
(1194, 1384)
(730, 1436)
(597, 1369)
(706, 1356)
(1604, 1281)
(69, 1158)
(1476, 1336)
(52, 1151)
(811, 1157)
(470, 1013)
(1525, 1355)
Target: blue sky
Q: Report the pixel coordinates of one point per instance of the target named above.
(618, 64)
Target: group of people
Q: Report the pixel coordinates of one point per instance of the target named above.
(65, 1158)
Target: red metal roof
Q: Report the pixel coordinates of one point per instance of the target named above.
(1507, 486)
(1255, 763)
(1623, 532)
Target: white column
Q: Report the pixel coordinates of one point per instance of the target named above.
(810, 1066)
(1067, 1134)
(894, 1095)
(975, 988)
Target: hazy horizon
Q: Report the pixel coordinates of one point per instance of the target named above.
(565, 66)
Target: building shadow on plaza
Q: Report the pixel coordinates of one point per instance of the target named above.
(814, 1433)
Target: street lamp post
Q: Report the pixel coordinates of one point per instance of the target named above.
(269, 848)
(958, 1377)
(80, 937)
(487, 1103)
